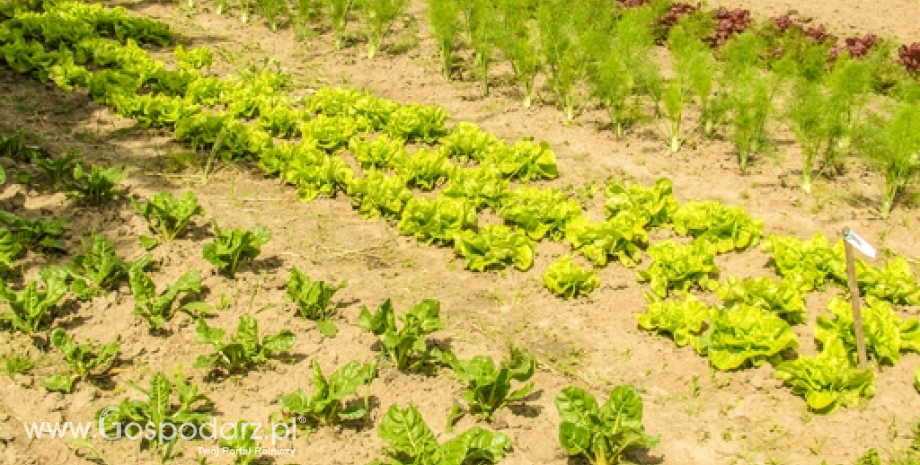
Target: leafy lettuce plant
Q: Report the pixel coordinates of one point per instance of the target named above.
(540, 212)
(466, 141)
(157, 309)
(742, 335)
(726, 228)
(655, 205)
(894, 283)
(86, 361)
(233, 247)
(808, 264)
(314, 300)
(827, 381)
(683, 320)
(410, 441)
(620, 237)
(188, 413)
(167, 216)
(885, 334)
(425, 169)
(327, 177)
(482, 187)
(283, 158)
(488, 388)
(382, 152)
(417, 123)
(494, 248)
(378, 195)
(405, 346)
(326, 403)
(568, 280)
(32, 307)
(331, 133)
(437, 221)
(679, 267)
(524, 161)
(244, 350)
(780, 297)
(602, 433)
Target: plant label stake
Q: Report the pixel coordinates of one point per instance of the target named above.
(851, 240)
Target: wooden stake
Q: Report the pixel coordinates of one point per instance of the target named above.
(854, 302)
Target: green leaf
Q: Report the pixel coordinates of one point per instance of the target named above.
(233, 247)
(58, 383)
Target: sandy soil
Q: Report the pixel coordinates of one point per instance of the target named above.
(733, 418)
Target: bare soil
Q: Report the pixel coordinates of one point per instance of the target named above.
(733, 418)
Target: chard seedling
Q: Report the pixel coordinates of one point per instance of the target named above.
(97, 185)
(32, 307)
(242, 442)
(406, 346)
(38, 234)
(87, 361)
(233, 247)
(58, 172)
(488, 388)
(244, 350)
(326, 404)
(98, 268)
(602, 433)
(184, 416)
(9, 249)
(411, 441)
(568, 280)
(314, 300)
(167, 216)
(17, 364)
(157, 309)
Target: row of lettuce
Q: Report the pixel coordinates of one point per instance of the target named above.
(246, 116)
(730, 78)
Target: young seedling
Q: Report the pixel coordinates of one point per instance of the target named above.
(339, 11)
(97, 186)
(242, 442)
(87, 361)
(568, 280)
(167, 216)
(9, 249)
(39, 234)
(98, 268)
(17, 364)
(167, 419)
(406, 347)
(314, 300)
(31, 308)
(244, 350)
(158, 309)
(602, 433)
(233, 247)
(379, 16)
(488, 388)
(58, 172)
(410, 441)
(325, 405)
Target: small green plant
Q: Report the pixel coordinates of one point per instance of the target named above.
(39, 234)
(9, 249)
(406, 347)
(244, 350)
(96, 186)
(58, 172)
(488, 388)
(233, 247)
(379, 17)
(167, 216)
(158, 309)
(242, 442)
(314, 300)
(568, 280)
(87, 361)
(31, 308)
(517, 42)
(17, 364)
(275, 12)
(602, 433)
(680, 267)
(339, 11)
(893, 147)
(445, 22)
(751, 101)
(167, 419)
(325, 405)
(98, 268)
(410, 441)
